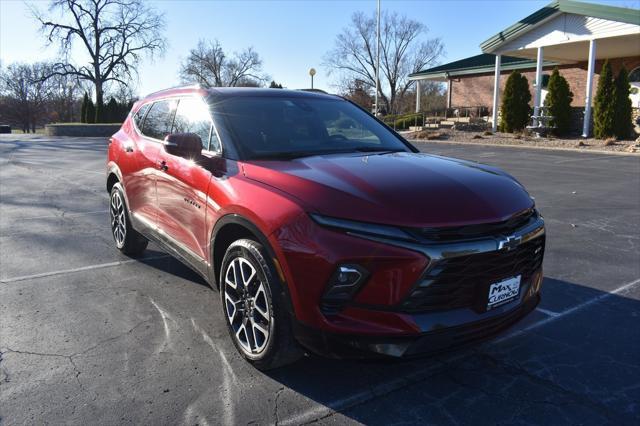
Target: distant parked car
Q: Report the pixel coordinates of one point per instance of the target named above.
(5, 128)
(344, 240)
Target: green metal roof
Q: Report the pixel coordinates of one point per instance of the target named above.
(478, 64)
(620, 14)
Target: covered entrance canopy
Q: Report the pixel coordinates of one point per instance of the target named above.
(566, 32)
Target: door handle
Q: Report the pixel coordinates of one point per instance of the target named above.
(162, 165)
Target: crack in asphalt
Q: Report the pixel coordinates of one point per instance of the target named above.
(393, 387)
(449, 372)
(275, 407)
(5, 373)
(581, 398)
(47, 354)
(33, 168)
(69, 357)
(515, 369)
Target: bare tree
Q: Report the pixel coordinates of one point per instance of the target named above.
(402, 51)
(433, 97)
(24, 94)
(113, 33)
(64, 97)
(359, 92)
(209, 66)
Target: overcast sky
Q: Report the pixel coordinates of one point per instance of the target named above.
(290, 36)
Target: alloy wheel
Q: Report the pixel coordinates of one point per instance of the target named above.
(247, 306)
(118, 218)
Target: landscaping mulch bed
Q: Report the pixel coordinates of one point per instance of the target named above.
(525, 140)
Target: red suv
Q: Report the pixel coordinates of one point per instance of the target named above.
(321, 227)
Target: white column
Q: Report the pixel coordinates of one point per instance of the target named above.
(417, 95)
(496, 94)
(538, 94)
(589, 92)
(449, 87)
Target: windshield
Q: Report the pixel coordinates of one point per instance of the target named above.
(291, 127)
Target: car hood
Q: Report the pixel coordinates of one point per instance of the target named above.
(406, 189)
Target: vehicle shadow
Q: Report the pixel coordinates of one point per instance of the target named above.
(576, 368)
(168, 264)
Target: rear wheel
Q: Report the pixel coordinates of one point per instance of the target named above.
(251, 294)
(128, 240)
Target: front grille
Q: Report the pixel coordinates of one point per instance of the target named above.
(462, 282)
(466, 232)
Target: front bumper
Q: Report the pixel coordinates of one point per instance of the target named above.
(441, 339)
(309, 254)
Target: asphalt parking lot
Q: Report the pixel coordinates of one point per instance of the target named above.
(90, 336)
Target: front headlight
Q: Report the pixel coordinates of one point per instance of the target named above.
(362, 228)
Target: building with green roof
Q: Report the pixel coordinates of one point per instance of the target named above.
(574, 36)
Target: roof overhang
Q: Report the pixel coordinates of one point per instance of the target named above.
(504, 41)
(487, 69)
(578, 51)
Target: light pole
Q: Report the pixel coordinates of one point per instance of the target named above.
(312, 72)
(377, 61)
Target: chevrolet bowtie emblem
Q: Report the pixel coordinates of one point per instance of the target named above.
(509, 243)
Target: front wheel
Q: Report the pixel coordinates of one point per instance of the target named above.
(251, 294)
(127, 239)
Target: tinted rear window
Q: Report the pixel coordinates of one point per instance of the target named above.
(159, 119)
(139, 115)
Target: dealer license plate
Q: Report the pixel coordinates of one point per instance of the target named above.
(503, 292)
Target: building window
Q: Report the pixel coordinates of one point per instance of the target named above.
(634, 75)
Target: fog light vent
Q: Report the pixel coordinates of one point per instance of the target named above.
(342, 286)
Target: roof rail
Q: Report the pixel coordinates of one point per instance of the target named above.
(314, 91)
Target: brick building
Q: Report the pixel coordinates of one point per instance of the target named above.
(576, 37)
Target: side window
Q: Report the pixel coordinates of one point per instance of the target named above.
(158, 122)
(193, 116)
(139, 115)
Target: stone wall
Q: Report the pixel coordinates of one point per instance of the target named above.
(87, 130)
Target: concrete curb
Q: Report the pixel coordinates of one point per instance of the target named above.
(547, 148)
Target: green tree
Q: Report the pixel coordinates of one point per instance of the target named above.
(99, 112)
(604, 111)
(622, 124)
(515, 103)
(275, 85)
(112, 111)
(91, 112)
(558, 101)
(83, 108)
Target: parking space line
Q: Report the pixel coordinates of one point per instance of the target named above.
(547, 312)
(318, 412)
(80, 269)
(570, 311)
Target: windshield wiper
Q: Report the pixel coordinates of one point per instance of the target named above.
(289, 155)
(377, 149)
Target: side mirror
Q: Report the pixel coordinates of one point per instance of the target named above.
(185, 145)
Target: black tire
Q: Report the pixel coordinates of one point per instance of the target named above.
(279, 347)
(128, 240)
